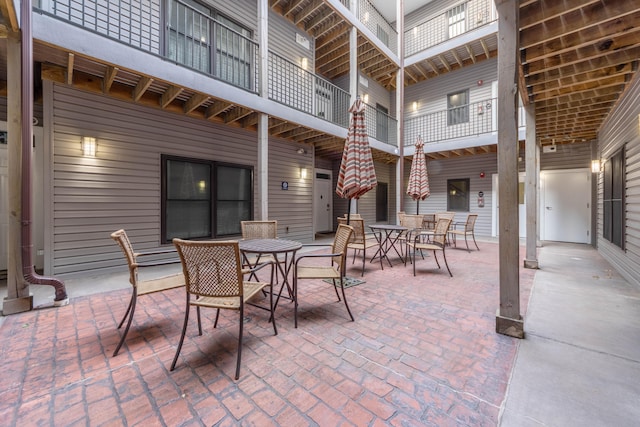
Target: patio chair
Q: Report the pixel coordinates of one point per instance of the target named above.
(360, 240)
(469, 225)
(414, 223)
(417, 242)
(214, 278)
(142, 287)
(334, 271)
(258, 230)
(437, 217)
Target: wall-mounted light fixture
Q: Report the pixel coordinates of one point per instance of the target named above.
(414, 105)
(303, 173)
(304, 63)
(301, 151)
(89, 146)
(365, 98)
(595, 166)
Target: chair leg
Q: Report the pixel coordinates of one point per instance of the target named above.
(130, 311)
(184, 331)
(414, 262)
(344, 298)
(215, 324)
(445, 262)
(273, 317)
(474, 240)
(335, 287)
(199, 321)
(295, 297)
(364, 257)
(240, 339)
(434, 255)
(466, 243)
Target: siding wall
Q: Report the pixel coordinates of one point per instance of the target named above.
(121, 188)
(465, 167)
(567, 156)
(622, 129)
(377, 93)
(282, 40)
(385, 173)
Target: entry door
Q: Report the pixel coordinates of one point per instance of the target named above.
(382, 202)
(382, 124)
(4, 202)
(522, 207)
(565, 202)
(322, 201)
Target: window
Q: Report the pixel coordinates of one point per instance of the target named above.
(191, 29)
(614, 199)
(458, 195)
(189, 34)
(458, 108)
(456, 20)
(204, 199)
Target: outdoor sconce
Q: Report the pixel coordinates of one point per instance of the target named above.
(595, 166)
(202, 186)
(304, 63)
(415, 105)
(89, 146)
(365, 98)
(303, 173)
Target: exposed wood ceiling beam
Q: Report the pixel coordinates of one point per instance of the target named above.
(109, 76)
(70, 59)
(308, 10)
(196, 100)
(141, 87)
(169, 95)
(216, 109)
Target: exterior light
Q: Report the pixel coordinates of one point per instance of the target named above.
(415, 105)
(89, 146)
(303, 173)
(304, 63)
(595, 166)
(365, 98)
(202, 186)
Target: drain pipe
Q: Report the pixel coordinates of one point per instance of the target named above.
(26, 92)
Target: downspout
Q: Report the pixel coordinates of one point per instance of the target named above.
(26, 92)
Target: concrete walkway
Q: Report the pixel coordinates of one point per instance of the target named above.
(579, 364)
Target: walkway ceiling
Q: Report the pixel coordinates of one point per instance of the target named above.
(578, 57)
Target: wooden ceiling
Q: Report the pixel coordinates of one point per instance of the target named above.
(577, 58)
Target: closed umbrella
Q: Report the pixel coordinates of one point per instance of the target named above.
(357, 172)
(418, 187)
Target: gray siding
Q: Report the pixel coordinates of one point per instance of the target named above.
(567, 156)
(621, 129)
(464, 167)
(121, 186)
(377, 94)
(282, 40)
(385, 173)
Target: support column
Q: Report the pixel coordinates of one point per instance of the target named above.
(508, 318)
(400, 104)
(531, 187)
(18, 298)
(263, 119)
(353, 77)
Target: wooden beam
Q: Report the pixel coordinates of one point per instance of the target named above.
(141, 87)
(70, 60)
(216, 108)
(169, 95)
(470, 52)
(109, 76)
(444, 62)
(196, 100)
(236, 114)
(309, 9)
(10, 15)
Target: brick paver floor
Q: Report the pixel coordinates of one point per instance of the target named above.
(422, 351)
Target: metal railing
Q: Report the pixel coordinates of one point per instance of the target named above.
(473, 119)
(293, 86)
(457, 20)
(374, 21)
(381, 125)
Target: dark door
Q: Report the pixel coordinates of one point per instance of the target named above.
(382, 203)
(382, 123)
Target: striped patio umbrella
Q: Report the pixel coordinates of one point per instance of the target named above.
(418, 187)
(357, 173)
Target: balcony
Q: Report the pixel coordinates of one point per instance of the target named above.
(381, 125)
(461, 19)
(374, 21)
(470, 120)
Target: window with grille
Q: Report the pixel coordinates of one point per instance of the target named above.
(204, 199)
(458, 108)
(614, 199)
(456, 20)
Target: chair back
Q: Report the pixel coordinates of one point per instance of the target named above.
(122, 240)
(211, 269)
(259, 229)
(340, 242)
(471, 222)
(412, 222)
(445, 215)
(358, 235)
(440, 232)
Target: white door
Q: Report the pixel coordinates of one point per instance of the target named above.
(522, 207)
(4, 202)
(565, 204)
(322, 200)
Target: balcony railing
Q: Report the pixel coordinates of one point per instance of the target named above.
(464, 17)
(470, 120)
(292, 85)
(374, 21)
(381, 125)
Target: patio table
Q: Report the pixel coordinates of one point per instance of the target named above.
(387, 236)
(276, 248)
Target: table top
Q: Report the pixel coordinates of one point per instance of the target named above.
(269, 246)
(391, 227)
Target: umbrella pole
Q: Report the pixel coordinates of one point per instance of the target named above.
(348, 211)
(418, 207)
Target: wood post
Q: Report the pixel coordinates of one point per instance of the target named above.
(532, 168)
